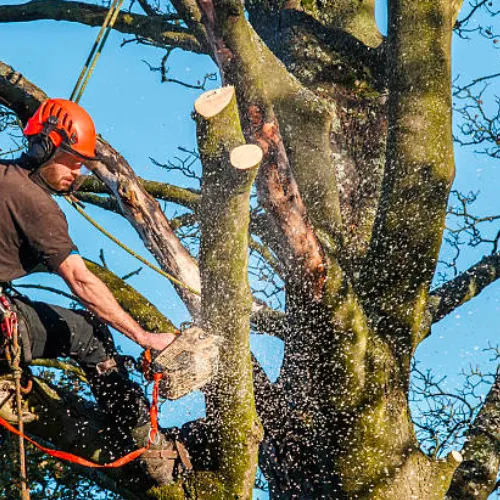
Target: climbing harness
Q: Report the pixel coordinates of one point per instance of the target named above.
(8, 325)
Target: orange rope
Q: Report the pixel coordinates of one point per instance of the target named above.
(70, 457)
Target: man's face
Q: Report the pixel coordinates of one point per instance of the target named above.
(62, 171)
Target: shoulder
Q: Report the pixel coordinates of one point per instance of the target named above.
(19, 191)
(13, 179)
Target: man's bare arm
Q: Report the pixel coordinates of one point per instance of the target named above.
(97, 297)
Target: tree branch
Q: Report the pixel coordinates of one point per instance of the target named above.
(477, 475)
(154, 28)
(191, 14)
(146, 7)
(419, 171)
(351, 16)
(144, 312)
(335, 40)
(145, 214)
(188, 198)
(104, 202)
(464, 287)
(270, 322)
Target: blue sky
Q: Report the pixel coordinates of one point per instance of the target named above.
(144, 118)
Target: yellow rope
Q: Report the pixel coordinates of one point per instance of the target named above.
(129, 250)
(13, 356)
(25, 492)
(96, 50)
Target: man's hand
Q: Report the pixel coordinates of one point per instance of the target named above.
(157, 341)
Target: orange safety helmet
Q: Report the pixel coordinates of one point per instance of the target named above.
(67, 125)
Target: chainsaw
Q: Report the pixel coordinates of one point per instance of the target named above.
(187, 364)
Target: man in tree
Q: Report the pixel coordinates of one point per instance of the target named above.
(34, 233)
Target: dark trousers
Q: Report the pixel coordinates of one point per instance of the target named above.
(54, 332)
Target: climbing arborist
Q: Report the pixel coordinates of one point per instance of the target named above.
(34, 236)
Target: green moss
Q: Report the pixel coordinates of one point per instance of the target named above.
(167, 492)
(311, 7)
(144, 312)
(372, 448)
(363, 25)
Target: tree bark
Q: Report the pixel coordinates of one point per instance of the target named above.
(227, 302)
(476, 478)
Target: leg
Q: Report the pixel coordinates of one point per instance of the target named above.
(55, 331)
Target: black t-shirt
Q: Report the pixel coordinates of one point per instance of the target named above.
(33, 229)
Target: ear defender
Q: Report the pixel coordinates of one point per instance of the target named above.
(40, 149)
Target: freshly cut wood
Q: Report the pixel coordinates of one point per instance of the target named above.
(455, 457)
(246, 156)
(212, 102)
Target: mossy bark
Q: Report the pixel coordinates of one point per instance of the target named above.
(419, 166)
(227, 301)
(145, 313)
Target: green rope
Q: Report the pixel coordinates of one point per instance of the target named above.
(96, 50)
(129, 250)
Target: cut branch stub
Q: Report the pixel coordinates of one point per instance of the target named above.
(229, 169)
(246, 157)
(211, 103)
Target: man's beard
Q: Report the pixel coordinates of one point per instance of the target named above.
(38, 178)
